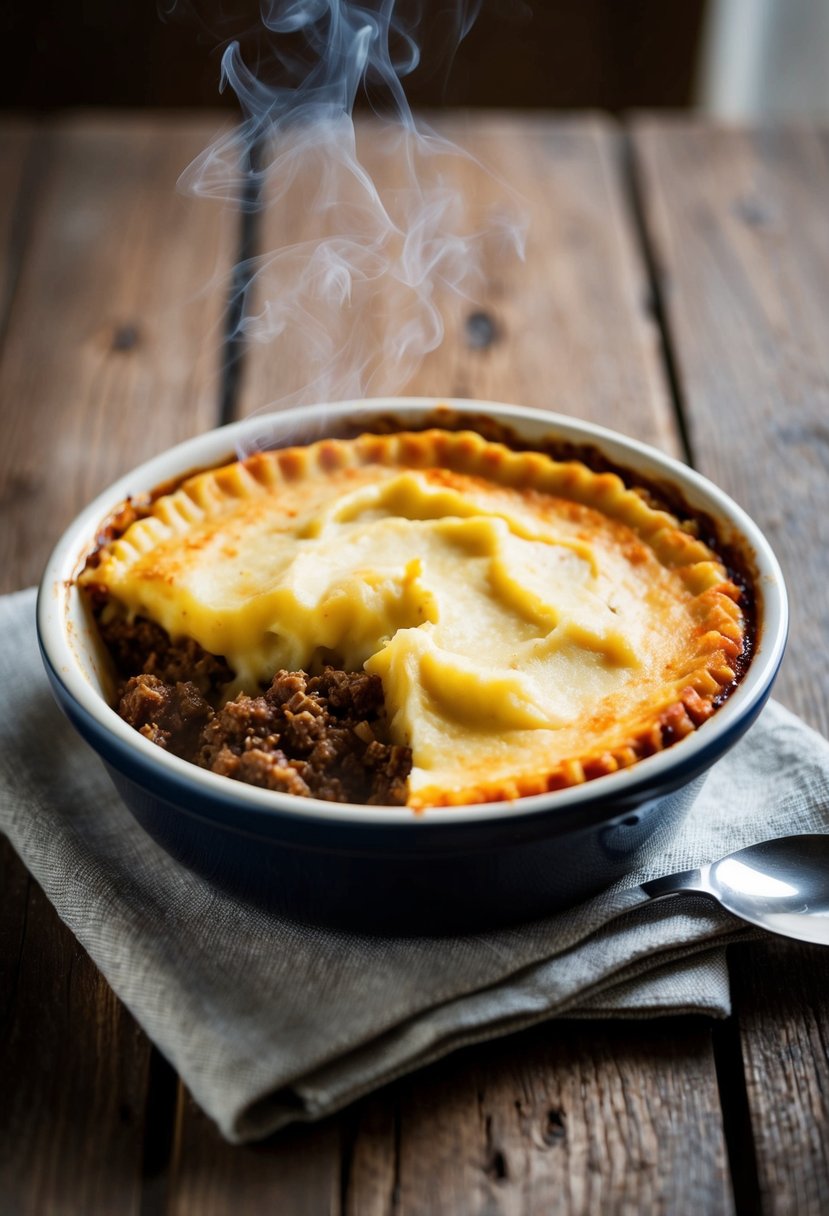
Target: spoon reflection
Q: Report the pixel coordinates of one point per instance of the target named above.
(781, 885)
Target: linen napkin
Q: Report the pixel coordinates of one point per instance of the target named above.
(268, 1020)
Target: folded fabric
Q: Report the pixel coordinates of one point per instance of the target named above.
(269, 1020)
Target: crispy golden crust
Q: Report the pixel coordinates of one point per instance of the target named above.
(702, 672)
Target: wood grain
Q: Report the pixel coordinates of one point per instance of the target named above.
(17, 141)
(109, 354)
(782, 1004)
(738, 222)
(74, 1078)
(297, 1172)
(739, 229)
(112, 348)
(568, 329)
(574, 1118)
(569, 1117)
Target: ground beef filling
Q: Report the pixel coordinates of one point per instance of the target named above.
(141, 648)
(322, 736)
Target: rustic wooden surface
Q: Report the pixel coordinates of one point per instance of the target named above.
(742, 246)
(674, 288)
(572, 327)
(98, 371)
(111, 351)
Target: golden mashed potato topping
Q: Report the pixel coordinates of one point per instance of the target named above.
(534, 624)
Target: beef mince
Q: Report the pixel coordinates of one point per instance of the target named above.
(322, 736)
(141, 648)
(171, 715)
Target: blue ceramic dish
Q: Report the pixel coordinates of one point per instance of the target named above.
(388, 868)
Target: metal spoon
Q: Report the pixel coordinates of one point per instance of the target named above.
(781, 885)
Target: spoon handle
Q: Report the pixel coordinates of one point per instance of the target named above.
(673, 884)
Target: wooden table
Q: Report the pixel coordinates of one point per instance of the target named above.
(677, 288)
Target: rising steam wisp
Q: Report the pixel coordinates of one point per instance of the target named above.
(352, 296)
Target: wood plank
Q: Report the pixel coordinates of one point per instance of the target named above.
(17, 140)
(606, 1117)
(739, 231)
(108, 356)
(570, 326)
(75, 1080)
(782, 1003)
(572, 1118)
(112, 349)
(641, 1115)
(297, 1172)
(738, 224)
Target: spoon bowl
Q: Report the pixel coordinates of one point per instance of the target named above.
(780, 885)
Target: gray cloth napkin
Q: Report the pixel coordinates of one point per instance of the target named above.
(269, 1020)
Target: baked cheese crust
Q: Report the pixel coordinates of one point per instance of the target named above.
(535, 624)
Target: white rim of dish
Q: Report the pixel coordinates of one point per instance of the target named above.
(210, 447)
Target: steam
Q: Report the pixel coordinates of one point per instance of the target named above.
(353, 294)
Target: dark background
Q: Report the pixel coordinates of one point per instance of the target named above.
(609, 54)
